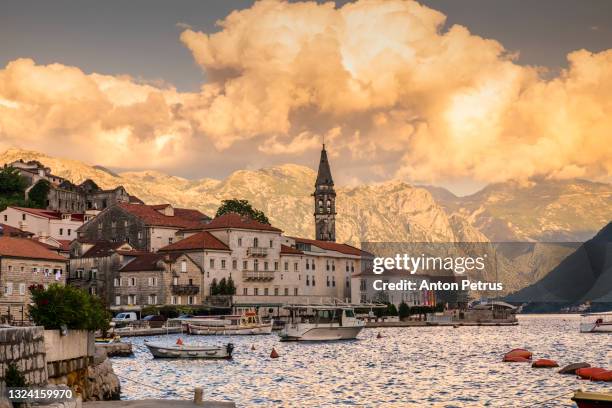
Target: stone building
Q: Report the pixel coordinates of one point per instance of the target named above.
(145, 227)
(325, 201)
(66, 197)
(24, 262)
(158, 279)
(44, 223)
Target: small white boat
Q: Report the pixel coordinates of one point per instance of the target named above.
(321, 323)
(599, 323)
(248, 324)
(180, 350)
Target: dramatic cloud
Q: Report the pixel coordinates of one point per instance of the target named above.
(393, 93)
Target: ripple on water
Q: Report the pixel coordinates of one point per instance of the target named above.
(442, 367)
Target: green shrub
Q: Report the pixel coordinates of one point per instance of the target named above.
(404, 310)
(14, 377)
(66, 305)
(391, 310)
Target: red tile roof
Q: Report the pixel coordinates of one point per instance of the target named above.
(290, 250)
(144, 262)
(52, 215)
(201, 240)
(27, 248)
(9, 231)
(233, 220)
(151, 216)
(102, 249)
(333, 246)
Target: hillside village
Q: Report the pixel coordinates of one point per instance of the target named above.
(135, 255)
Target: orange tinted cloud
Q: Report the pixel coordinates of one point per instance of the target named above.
(381, 79)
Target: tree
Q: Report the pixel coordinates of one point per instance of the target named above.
(37, 196)
(12, 187)
(214, 288)
(404, 310)
(231, 287)
(222, 288)
(391, 310)
(242, 207)
(60, 305)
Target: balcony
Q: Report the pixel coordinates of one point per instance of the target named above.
(257, 252)
(261, 276)
(185, 290)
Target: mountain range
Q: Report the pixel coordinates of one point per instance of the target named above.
(538, 210)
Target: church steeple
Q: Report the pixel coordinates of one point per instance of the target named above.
(325, 201)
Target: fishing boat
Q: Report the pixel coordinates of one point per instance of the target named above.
(180, 350)
(592, 399)
(598, 323)
(249, 323)
(321, 323)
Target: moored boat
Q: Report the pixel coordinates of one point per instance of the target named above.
(592, 399)
(321, 323)
(600, 323)
(247, 324)
(180, 350)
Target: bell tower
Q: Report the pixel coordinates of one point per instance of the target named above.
(325, 201)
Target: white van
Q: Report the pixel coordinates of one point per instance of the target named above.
(125, 317)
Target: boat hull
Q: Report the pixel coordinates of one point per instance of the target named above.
(229, 331)
(592, 399)
(319, 333)
(596, 328)
(213, 352)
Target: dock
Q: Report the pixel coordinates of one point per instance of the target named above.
(148, 331)
(435, 324)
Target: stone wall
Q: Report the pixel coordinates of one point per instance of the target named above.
(25, 347)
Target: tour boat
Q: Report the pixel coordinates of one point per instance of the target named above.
(247, 324)
(600, 323)
(592, 399)
(180, 350)
(321, 323)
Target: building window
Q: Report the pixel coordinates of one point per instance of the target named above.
(173, 300)
(333, 264)
(286, 266)
(212, 263)
(190, 300)
(92, 290)
(286, 291)
(334, 281)
(170, 239)
(190, 282)
(307, 280)
(328, 281)
(10, 268)
(131, 299)
(348, 282)
(22, 289)
(234, 264)
(256, 291)
(275, 291)
(183, 266)
(265, 266)
(69, 231)
(245, 291)
(307, 264)
(115, 281)
(276, 266)
(271, 244)
(295, 291)
(61, 231)
(295, 266)
(313, 265)
(223, 264)
(327, 265)
(153, 281)
(94, 274)
(362, 285)
(239, 242)
(256, 265)
(313, 280)
(175, 280)
(245, 265)
(265, 291)
(23, 217)
(152, 299)
(117, 300)
(255, 242)
(132, 282)
(5, 218)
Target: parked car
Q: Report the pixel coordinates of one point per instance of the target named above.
(125, 317)
(155, 320)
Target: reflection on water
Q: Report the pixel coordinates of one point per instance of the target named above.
(408, 367)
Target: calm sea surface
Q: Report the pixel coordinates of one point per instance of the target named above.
(408, 367)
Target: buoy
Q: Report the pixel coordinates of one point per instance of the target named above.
(519, 353)
(515, 359)
(602, 376)
(587, 373)
(273, 354)
(379, 336)
(253, 347)
(571, 368)
(179, 342)
(544, 363)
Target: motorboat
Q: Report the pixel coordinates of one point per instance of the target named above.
(597, 323)
(249, 323)
(321, 323)
(592, 399)
(180, 350)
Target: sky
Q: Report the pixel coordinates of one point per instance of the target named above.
(453, 93)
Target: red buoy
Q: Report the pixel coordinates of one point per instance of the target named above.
(179, 342)
(544, 363)
(587, 373)
(519, 353)
(515, 359)
(602, 376)
(379, 336)
(273, 354)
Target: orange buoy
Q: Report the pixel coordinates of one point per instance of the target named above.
(602, 376)
(179, 342)
(520, 353)
(515, 359)
(544, 363)
(379, 336)
(273, 354)
(587, 373)
(253, 347)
